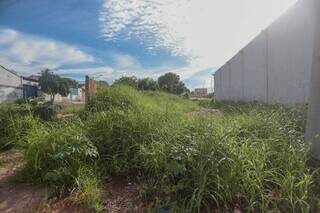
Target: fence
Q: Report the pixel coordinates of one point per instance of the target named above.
(276, 66)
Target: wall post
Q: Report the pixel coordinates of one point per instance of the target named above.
(313, 119)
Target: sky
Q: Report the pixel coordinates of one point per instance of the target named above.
(107, 39)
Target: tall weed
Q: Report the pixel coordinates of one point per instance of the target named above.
(56, 152)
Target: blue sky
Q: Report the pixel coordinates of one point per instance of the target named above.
(107, 39)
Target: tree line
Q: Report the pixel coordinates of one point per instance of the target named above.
(53, 84)
(169, 82)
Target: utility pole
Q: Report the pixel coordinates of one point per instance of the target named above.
(313, 119)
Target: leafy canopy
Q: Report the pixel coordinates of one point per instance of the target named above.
(131, 81)
(148, 84)
(54, 84)
(170, 82)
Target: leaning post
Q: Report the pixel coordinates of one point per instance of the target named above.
(313, 117)
(87, 90)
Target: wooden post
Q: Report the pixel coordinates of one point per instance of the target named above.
(313, 119)
(87, 90)
(90, 89)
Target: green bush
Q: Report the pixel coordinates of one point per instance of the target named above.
(119, 96)
(15, 120)
(211, 165)
(118, 135)
(56, 152)
(252, 158)
(47, 111)
(87, 190)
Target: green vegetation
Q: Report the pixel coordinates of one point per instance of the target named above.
(148, 84)
(250, 157)
(53, 84)
(169, 82)
(130, 81)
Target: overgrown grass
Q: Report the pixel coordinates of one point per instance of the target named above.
(15, 121)
(87, 190)
(57, 151)
(252, 158)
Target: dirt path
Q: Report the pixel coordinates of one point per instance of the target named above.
(122, 197)
(117, 196)
(17, 197)
(204, 112)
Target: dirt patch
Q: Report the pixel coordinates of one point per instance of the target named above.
(65, 206)
(17, 197)
(204, 112)
(122, 196)
(117, 196)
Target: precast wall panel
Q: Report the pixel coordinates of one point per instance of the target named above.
(10, 86)
(255, 69)
(290, 55)
(217, 84)
(276, 65)
(236, 77)
(225, 82)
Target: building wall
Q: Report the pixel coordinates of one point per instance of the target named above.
(217, 84)
(255, 69)
(275, 67)
(10, 86)
(236, 77)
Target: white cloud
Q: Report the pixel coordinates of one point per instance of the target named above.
(123, 61)
(209, 32)
(27, 53)
(100, 73)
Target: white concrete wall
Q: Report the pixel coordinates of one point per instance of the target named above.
(255, 69)
(10, 86)
(275, 67)
(236, 77)
(217, 85)
(8, 78)
(225, 82)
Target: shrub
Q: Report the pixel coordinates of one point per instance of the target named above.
(87, 190)
(118, 135)
(252, 158)
(56, 152)
(210, 165)
(11, 116)
(47, 111)
(119, 96)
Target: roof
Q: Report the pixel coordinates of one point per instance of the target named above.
(11, 71)
(29, 79)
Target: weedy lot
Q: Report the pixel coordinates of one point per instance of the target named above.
(238, 157)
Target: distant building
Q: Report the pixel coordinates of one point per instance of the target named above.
(201, 92)
(34, 77)
(75, 95)
(13, 86)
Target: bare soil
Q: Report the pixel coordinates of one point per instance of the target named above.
(117, 196)
(17, 197)
(204, 112)
(122, 196)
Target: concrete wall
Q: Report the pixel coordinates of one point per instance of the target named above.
(10, 86)
(275, 67)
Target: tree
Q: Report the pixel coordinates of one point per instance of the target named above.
(71, 82)
(148, 84)
(102, 84)
(131, 81)
(54, 84)
(170, 82)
